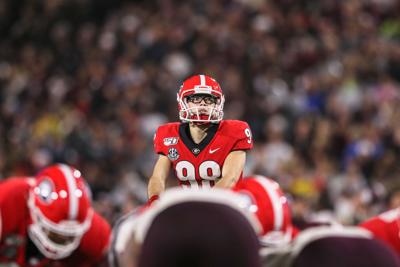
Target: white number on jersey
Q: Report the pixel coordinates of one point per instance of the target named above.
(208, 171)
(247, 132)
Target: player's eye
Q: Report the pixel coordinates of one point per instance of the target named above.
(197, 99)
(210, 100)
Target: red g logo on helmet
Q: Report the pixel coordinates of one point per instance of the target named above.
(269, 204)
(200, 85)
(60, 209)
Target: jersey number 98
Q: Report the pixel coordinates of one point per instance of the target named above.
(208, 171)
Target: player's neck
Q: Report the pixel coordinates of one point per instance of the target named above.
(198, 132)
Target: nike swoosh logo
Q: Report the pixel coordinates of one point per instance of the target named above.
(214, 150)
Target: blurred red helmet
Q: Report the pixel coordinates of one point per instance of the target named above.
(200, 85)
(267, 201)
(60, 208)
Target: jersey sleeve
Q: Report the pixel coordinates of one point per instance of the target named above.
(374, 225)
(166, 135)
(158, 137)
(385, 227)
(13, 204)
(377, 224)
(96, 241)
(243, 135)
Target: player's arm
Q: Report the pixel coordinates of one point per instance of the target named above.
(158, 178)
(233, 167)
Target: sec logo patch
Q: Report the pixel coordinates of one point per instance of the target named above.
(173, 154)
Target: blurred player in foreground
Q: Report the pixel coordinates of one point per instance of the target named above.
(266, 200)
(189, 228)
(386, 227)
(48, 220)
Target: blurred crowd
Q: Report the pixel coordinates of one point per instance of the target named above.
(87, 82)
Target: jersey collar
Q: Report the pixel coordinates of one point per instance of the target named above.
(184, 133)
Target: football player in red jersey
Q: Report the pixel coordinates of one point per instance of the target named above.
(386, 227)
(203, 150)
(48, 220)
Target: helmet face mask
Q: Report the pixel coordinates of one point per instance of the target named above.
(200, 99)
(60, 210)
(49, 246)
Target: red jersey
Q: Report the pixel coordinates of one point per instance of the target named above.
(200, 165)
(386, 227)
(15, 245)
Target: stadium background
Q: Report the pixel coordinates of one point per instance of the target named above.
(87, 82)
